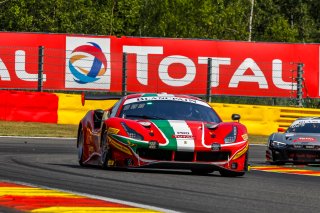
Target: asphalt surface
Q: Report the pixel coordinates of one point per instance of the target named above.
(53, 163)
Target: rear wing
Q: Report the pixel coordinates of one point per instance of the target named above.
(85, 97)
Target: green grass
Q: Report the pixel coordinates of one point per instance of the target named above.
(37, 129)
(69, 131)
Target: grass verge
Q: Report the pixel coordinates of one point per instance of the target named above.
(37, 129)
(69, 131)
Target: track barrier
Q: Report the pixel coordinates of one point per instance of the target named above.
(67, 109)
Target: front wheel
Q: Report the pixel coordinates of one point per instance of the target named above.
(275, 161)
(80, 147)
(105, 150)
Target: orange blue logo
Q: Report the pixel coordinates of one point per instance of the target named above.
(86, 52)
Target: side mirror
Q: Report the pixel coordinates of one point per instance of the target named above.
(235, 117)
(281, 129)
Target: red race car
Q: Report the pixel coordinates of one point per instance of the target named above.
(163, 131)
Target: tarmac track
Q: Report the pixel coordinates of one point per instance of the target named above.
(53, 163)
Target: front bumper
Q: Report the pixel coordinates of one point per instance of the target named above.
(232, 157)
(226, 159)
(189, 166)
(293, 155)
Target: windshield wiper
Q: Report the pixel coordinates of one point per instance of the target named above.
(145, 117)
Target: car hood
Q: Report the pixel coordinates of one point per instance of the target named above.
(183, 135)
(297, 138)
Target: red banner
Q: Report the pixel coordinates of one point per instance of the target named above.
(74, 62)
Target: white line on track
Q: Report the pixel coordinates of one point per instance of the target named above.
(143, 206)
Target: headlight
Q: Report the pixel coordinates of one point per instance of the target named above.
(232, 136)
(131, 132)
(277, 144)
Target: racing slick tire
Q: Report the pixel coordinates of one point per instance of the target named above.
(275, 161)
(105, 150)
(80, 143)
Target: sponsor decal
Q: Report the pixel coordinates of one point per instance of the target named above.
(240, 76)
(305, 139)
(182, 136)
(167, 98)
(131, 144)
(110, 162)
(245, 137)
(87, 63)
(120, 147)
(112, 130)
(303, 122)
(243, 151)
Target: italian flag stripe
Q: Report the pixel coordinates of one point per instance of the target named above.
(168, 132)
(178, 133)
(183, 135)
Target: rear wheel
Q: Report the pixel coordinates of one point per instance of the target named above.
(105, 154)
(80, 147)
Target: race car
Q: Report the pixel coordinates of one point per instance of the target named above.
(163, 131)
(300, 143)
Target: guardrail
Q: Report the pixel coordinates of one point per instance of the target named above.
(67, 109)
(263, 120)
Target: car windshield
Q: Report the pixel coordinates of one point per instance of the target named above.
(169, 110)
(304, 127)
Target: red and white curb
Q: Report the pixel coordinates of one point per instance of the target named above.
(288, 170)
(30, 198)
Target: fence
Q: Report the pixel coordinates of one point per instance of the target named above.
(60, 62)
(154, 76)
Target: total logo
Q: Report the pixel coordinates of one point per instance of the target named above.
(87, 63)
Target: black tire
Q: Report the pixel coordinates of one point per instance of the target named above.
(105, 150)
(201, 171)
(274, 161)
(277, 163)
(246, 162)
(80, 143)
